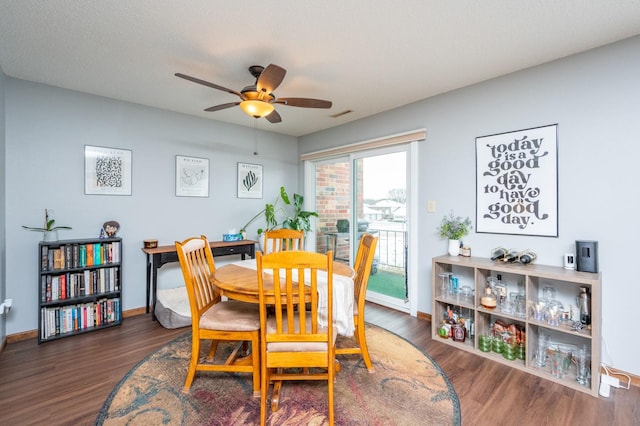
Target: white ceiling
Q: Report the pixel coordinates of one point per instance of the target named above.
(367, 56)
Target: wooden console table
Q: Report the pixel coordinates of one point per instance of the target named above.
(158, 256)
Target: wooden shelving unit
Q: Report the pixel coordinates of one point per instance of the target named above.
(532, 279)
(80, 286)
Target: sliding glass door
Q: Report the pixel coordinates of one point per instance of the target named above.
(367, 192)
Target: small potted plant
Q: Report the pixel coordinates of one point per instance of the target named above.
(50, 232)
(454, 228)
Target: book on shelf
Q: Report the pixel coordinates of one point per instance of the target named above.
(62, 282)
(44, 255)
(58, 258)
(109, 252)
(116, 251)
(82, 256)
(68, 256)
(90, 259)
(76, 255)
(97, 254)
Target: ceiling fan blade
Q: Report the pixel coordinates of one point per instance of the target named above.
(206, 83)
(222, 106)
(270, 78)
(274, 117)
(303, 102)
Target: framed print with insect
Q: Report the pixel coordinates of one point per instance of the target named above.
(192, 176)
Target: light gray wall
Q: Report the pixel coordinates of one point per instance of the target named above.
(3, 328)
(593, 97)
(46, 130)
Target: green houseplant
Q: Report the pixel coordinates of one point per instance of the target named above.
(284, 213)
(50, 232)
(454, 228)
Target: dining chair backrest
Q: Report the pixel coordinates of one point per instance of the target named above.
(292, 336)
(196, 261)
(295, 295)
(364, 261)
(283, 240)
(215, 320)
(363, 264)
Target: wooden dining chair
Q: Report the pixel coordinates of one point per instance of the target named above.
(283, 239)
(292, 338)
(362, 266)
(214, 319)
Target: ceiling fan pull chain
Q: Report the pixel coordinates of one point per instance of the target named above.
(255, 137)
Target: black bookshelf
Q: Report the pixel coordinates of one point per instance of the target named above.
(80, 286)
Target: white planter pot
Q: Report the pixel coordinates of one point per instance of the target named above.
(454, 247)
(50, 236)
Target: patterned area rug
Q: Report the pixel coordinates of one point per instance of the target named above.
(407, 388)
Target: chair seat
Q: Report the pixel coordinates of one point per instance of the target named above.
(298, 346)
(231, 315)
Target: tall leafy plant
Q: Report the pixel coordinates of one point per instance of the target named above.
(284, 213)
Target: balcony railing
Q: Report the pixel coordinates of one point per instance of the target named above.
(391, 253)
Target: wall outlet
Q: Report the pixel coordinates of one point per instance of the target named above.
(5, 306)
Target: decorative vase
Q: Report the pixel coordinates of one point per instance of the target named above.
(49, 236)
(454, 247)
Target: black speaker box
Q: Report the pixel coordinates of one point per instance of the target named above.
(587, 256)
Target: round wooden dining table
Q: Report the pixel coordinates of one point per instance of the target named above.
(241, 282)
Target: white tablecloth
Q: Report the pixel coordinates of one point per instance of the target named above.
(342, 299)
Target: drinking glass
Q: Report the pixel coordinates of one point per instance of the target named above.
(541, 350)
(582, 367)
(549, 293)
(507, 307)
(560, 361)
(521, 306)
(553, 316)
(538, 310)
(444, 290)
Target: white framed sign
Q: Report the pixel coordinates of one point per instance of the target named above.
(517, 182)
(192, 176)
(249, 180)
(107, 171)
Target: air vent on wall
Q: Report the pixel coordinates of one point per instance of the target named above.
(340, 114)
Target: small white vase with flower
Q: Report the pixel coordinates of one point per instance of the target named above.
(454, 228)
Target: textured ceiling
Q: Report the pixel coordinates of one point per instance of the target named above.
(367, 56)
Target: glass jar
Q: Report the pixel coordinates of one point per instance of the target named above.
(485, 342)
(488, 299)
(497, 344)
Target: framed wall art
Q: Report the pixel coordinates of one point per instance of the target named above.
(249, 180)
(192, 176)
(107, 171)
(517, 182)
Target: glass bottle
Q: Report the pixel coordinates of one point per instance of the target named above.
(488, 299)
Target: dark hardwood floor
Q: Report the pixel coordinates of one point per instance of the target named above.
(67, 381)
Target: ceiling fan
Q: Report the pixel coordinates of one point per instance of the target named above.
(258, 99)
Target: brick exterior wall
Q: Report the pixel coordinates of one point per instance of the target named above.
(332, 202)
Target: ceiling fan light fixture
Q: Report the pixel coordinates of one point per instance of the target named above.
(256, 108)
